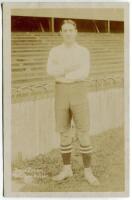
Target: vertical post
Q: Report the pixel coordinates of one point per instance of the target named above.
(52, 25)
(108, 26)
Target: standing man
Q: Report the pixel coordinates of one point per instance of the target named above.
(69, 64)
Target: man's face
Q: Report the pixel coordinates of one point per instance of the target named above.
(68, 32)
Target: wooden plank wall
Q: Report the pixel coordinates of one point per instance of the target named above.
(33, 122)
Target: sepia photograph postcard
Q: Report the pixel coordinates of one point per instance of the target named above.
(66, 99)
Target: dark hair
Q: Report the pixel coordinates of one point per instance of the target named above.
(69, 21)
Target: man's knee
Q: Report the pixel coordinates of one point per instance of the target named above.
(65, 136)
(84, 137)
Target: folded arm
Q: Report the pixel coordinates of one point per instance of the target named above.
(83, 70)
(53, 67)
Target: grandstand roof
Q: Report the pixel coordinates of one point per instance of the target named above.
(113, 14)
